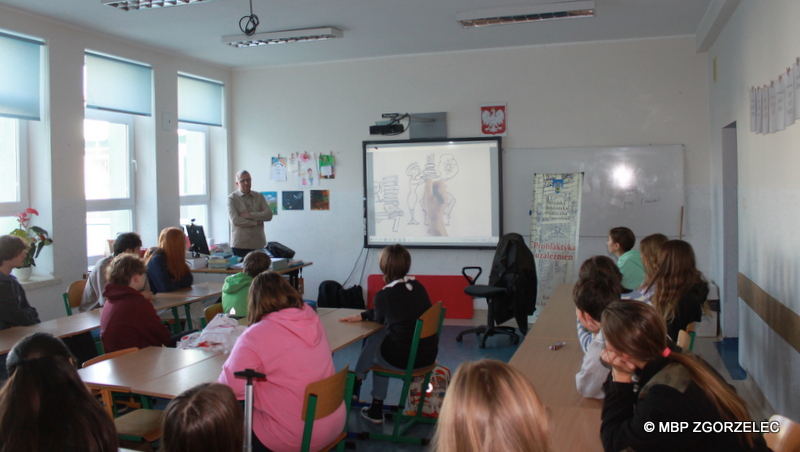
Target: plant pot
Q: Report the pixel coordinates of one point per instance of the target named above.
(23, 273)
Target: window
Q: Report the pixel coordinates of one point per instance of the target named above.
(193, 173)
(13, 192)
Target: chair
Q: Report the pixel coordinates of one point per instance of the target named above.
(684, 340)
(322, 399)
(511, 292)
(210, 312)
(73, 295)
(428, 324)
(690, 329)
(787, 439)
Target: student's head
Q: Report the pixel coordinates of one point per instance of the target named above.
(12, 247)
(256, 262)
(394, 262)
(600, 267)
(676, 276)
(491, 406)
(591, 297)
(45, 403)
(649, 247)
(172, 244)
(127, 269)
(206, 418)
(244, 181)
(637, 333)
(270, 292)
(127, 242)
(620, 240)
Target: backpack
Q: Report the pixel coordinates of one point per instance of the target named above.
(331, 294)
(440, 379)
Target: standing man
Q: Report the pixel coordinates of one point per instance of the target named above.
(247, 212)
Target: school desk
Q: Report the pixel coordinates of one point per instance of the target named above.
(61, 327)
(185, 297)
(294, 273)
(573, 429)
(557, 319)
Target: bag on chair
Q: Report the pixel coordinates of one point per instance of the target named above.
(440, 379)
(331, 294)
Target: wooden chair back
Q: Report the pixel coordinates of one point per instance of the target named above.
(431, 321)
(787, 439)
(322, 399)
(212, 311)
(106, 356)
(73, 295)
(684, 340)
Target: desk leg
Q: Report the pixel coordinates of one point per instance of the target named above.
(108, 402)
(177, 327)
(188, 317)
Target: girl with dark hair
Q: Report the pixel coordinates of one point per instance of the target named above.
(652, 384)
(206, 418)
(45, 406)
(679, 289)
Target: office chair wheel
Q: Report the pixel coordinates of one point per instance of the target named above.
(459, 338)
(482, 345)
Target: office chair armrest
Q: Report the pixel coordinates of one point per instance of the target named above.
(470, 279)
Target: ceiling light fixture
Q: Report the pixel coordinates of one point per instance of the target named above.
(281, 37)
(506, 15)
(135, 5)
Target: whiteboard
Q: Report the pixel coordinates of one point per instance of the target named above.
(639, 187)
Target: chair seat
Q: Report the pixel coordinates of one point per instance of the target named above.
(480, 291)
(144, 424)
(417, 372)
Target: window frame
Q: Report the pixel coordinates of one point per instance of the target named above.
(205, 199)
(12, 208)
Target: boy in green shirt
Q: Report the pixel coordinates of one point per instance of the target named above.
(236, 287)
(620, 243)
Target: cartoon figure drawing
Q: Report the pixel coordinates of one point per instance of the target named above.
(386, 192)
(448, 168)
(416, 179)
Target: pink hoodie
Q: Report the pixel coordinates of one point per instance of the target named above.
(289, 346)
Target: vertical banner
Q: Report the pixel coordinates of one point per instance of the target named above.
(555, 227)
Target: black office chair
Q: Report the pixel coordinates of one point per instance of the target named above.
(511, 292)
(492, 294)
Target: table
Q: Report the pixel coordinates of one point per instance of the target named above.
(557, 320)
(573, 429)
(61, 327)
(184, 297)
(342, 334)
(294, 273)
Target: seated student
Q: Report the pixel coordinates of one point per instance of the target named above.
(234, 291)
(669, 387)
(14, 307)
(167, 269)
(128, 318)
(285, 341)
(491, 406)
(128, 242)
(679, 289)
(398, 306)
(591, 297)
(45, 405)
(649, 251)
(620, 243)
(206, 418)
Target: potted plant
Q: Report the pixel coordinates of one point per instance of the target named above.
(37, 238)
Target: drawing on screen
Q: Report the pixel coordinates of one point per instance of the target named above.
(386, 196)
(416, 179)
(436, 201)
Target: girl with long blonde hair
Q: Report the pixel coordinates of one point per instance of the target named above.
(670, 386)
(167, 269)
(491, 406)
(679, 289)
(648, 248)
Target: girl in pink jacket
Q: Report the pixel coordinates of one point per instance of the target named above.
(285, 341)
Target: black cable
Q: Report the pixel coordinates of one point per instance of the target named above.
(250, 26)
(355, 264)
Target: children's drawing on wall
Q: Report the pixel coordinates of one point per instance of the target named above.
(415, 180)
(326, 170)
(292, 165)
(387, 202)
(320, 200)
(293, 200)
(278, 170)
(307, 174)
(272, 200)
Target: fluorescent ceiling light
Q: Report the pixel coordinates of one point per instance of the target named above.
(281, 37)
(134, 5)
(506, 15)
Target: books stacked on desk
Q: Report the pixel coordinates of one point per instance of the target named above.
(280, 263)
(221, 261)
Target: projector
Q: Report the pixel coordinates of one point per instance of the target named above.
(387, 129)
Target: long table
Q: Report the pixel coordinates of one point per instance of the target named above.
(574, 420)
(295, 273)
(165, 372)
(185, 297)
(61, 327)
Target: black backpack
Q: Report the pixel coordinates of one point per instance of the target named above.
(333, 295)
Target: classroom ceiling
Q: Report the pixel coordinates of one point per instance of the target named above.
(372, 28)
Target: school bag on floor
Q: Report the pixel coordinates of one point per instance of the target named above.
(434, 397)
(331, 294)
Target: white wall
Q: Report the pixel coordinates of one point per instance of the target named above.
(597, 94)
(756, 46)
(57, 148)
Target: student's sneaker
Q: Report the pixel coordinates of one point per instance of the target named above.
(373, 413)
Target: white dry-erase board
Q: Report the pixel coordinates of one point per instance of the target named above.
(640, 187)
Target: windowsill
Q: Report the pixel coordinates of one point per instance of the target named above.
(39, 282)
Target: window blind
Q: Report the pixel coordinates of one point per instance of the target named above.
(20, 78)
(118, 85)
(199, 100)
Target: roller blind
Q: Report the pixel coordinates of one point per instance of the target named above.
(20, 76)
(118, 85)
(199, 100)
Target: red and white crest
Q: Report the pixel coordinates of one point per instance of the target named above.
(493, 119)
